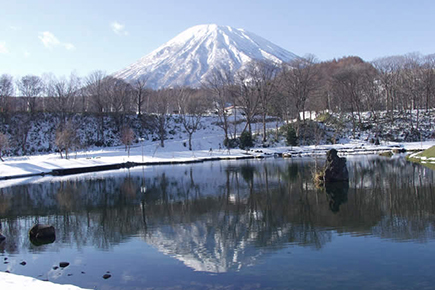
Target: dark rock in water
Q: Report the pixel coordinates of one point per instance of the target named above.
(23, 263)
(335, 168)
(106, 276)
(41, 234)
(2, 238)
(40, 231)
(42, 241)
(63, 264)
(55, 267)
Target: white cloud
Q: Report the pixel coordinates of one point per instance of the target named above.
(69, 46)
(15, 28)
(118, 28)
(3, 48)
(50, 41)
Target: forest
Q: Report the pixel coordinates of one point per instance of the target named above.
(399, 86)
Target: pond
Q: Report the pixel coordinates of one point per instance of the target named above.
(251, 224)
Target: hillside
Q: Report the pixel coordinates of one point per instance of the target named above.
(325, 129)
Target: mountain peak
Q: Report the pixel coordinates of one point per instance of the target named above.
(192, 55)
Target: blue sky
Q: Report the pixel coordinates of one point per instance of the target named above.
(61, 36)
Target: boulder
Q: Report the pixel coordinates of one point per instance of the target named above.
(335, 167)
(41, 234)
(2, 238)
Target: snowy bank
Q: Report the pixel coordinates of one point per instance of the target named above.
(17, 282)
(173, 153)
(426, 157)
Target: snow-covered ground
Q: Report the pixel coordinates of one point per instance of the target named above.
(17, 282)
(207, 143)
(204, 145)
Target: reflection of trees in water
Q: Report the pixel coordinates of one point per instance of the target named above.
(406, 228)
(255, 207)
(395, 190)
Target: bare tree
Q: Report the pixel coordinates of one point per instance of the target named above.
(279, 108)
(161, 103)
(265, 82)
(119, 96)
(127, 138)
(428, 78)
(63, 93)
(389, 70)
(141, 95)
(66, 138)
(372, 97)
(4, 144)
(192, 106)
(30, 87)
(348, 86)
(6, 91)
(94, 86)
(247, 97)
(218, 85)
(299, 82)
(413, 85)
(94, 89)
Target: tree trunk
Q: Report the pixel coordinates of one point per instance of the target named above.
(264, 127)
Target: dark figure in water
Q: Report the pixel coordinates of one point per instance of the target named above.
(335, 167)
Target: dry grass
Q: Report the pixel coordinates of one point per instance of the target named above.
(318, 178)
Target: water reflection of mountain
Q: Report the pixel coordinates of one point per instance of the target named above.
(220, 217)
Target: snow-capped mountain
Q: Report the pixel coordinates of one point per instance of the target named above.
(191, 56)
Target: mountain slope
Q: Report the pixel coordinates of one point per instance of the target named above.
(192, 55)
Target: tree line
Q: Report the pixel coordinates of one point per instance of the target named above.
(260, 90)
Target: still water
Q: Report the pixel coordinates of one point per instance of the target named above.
(252, 224)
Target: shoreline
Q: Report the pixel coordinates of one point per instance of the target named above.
(114, 158)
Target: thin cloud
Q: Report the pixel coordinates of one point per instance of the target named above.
(50, 41)
(118, 28)
(15, 28)
(26, 54)
(69, 46)
(3, 48)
